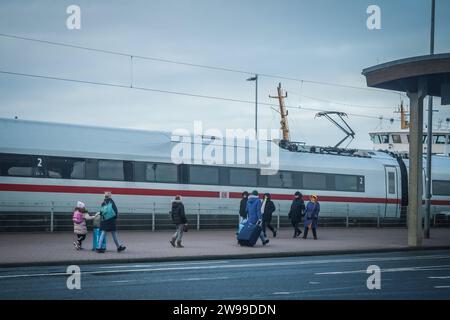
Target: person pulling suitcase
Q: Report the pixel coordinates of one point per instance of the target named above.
(252, 229)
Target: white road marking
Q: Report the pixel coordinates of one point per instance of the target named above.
(200, 279)
(442, 287)
(444, 277)
(281, 292)
(244, 265)
(404, 269)
(314, 282)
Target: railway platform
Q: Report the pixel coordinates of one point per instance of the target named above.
(25, 249)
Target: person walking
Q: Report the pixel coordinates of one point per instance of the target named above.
(79, 218)
(253, 210)
(179, 219)
(243, 206)
(108, 223)
(267, 209)
(296, 213)
(311, 216)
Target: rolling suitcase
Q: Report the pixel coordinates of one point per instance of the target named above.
(95, 237)
(249, 234)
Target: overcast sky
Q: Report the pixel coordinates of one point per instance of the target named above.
(316, 40)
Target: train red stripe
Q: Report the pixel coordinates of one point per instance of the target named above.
(186, 193)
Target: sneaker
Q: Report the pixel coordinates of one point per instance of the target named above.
(265, 242)
(172, 242)
(100, 250)
(179, 245)
(121, 248)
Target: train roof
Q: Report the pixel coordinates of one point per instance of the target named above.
(72, 140)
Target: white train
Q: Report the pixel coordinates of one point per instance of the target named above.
(42, 161)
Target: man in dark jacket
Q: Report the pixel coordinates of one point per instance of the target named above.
(109, 225)
(296, 213)
(243, 206)
(180, 221)
(267, 209)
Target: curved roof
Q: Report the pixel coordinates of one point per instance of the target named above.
(403, 75)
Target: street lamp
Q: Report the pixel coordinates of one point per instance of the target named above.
(255, 78)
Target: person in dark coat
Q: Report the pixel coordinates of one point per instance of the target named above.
(267, 209)
(243, 206)
(179, 219)
(311, 217)
(296, 213)
(109, 225)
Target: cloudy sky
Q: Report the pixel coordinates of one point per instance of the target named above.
(321, 40)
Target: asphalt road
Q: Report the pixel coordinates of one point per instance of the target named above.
(404, 275)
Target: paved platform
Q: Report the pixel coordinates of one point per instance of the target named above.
(19, 249)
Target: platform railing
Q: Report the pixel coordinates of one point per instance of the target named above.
(57, 216)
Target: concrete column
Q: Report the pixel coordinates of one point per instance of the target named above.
(415, 168)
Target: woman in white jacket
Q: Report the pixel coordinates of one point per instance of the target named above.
(80, 216)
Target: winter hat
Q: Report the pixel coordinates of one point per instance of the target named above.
(80, 205)
(255, 192)
(298, 193)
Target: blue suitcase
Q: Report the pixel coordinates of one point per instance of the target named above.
(249, 234)
(95, 237)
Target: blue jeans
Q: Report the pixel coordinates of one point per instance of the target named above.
(103, 235)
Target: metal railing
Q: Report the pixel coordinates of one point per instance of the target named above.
(57, 216)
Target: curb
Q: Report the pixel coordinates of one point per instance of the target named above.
(221, 257)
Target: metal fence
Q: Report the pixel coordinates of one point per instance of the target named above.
(57, 216)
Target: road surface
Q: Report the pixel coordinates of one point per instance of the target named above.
(404, 275)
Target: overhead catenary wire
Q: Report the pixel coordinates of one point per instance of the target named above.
(171, 61)
(188, 94)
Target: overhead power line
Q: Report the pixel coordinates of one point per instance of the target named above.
(124, 54)
(106, 84)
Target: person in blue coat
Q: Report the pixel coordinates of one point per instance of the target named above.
(311, 216)
(253, 210)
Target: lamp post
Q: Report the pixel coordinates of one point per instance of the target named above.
(255, 78)
(429, 139)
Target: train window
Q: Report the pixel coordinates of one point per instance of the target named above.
(314, 181)
(384, 138)
(16, 165)
(203, 175)
(396, 138)
(424, 138)
(111, 170)
(441, 188)
(391, 182)
(283, 179)
(346, 183)
(65, 168)
(439, 139)
(243, 177)
(161, 172)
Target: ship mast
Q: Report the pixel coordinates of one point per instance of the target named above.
(283, 112)
(404, 124)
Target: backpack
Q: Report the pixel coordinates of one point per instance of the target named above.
(77, 217)
(107, 212)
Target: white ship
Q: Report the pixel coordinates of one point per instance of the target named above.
(397, 140)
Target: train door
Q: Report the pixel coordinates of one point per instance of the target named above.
(392, 185)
